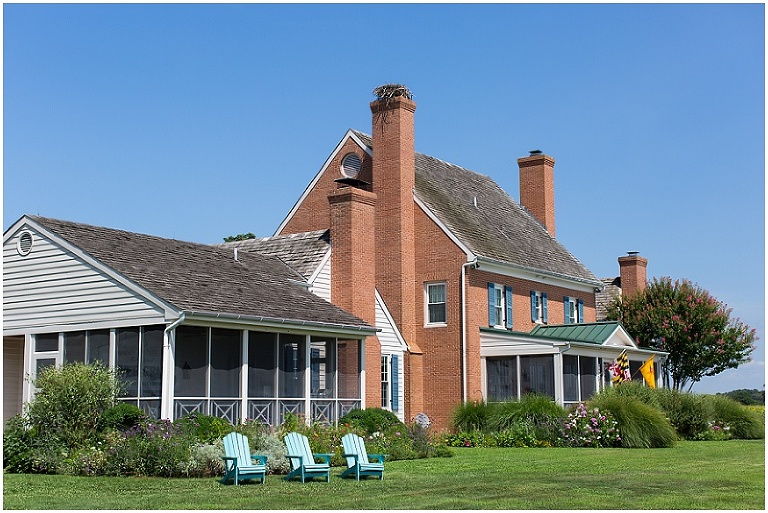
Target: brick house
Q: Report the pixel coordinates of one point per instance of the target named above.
(397, 280)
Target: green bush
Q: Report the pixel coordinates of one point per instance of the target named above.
(590, 428)
(122, 416)
(472, 416)
(640, 425)
(70, 401)
(17, 446)
(206, 429)
(690, 414)
(743, 423)
(371, 420)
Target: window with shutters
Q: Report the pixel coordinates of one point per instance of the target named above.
(539, 307)
(499, 306)
(390, 389)
(573, 310)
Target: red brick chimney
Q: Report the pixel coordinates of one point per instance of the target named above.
(632, 269)
(393, 183)
(537, 187)
(353, 266)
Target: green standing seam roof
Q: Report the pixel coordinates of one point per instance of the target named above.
(592, 333)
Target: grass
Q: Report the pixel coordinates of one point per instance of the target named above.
(691, 475)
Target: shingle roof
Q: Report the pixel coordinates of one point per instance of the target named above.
(498, 227)
(603, 299)
(302, 252)
(204, 278)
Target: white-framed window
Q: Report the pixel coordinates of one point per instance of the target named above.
(539, 307)
(499, 306)
(573, 310)
(436, 311)
(390, 389)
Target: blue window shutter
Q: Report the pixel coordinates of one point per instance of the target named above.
(544, 307)
(533, 306)
(581, 310)
(508, 301)
(491, 305)
(566, 310)
(395, 384)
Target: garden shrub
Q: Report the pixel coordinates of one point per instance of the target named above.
(122, 416)
(473, 416)
(690, 414)
(206, 429)
(70, 400)
(743, 423)
(469, 439)
(371, 420)
(590, 428)
(640, 425)
(17, 446)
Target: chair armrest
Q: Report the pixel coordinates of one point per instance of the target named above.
(379, 457)
(262, 459)
(301, 458)
(323, 456)
(226, 459)
(356, 456)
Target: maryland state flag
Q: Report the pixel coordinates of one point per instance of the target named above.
(620, 369)
(647, 371)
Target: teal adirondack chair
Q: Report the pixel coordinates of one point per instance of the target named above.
(302, 459)
(358, 463)
(238, 460)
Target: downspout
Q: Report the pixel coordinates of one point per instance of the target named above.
(166, 401)
(464, 267)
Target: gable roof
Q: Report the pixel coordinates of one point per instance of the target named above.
(204, 278)
(605, 297)
(487, 220)
(591, 333)
(302, 252)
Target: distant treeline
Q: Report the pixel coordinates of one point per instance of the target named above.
(745, 396)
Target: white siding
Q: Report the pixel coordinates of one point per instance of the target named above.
(13, 376)
(51, 286)
(321, 285)
(391, 344)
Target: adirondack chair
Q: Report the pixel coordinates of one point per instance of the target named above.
(358, 463)
(303, 464)
(238, 460)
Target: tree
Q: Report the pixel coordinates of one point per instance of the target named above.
(684, 320)
(241, 236)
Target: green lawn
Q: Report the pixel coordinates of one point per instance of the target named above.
(692, 475)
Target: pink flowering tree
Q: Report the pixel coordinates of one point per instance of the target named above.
(684, 320)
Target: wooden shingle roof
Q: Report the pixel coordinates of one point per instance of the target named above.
(488, 221)
(302, 252)
(204, 278)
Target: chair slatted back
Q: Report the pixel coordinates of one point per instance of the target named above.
(353, 444)
(236, 445)
(298, 445)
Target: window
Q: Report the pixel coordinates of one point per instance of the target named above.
(538, 307)
(390, 391)
(538, 375)
(386, 385)
(502, 378)
(573, 310)
(499, 306)
(436, 305)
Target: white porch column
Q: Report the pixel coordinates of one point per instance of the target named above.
(362, 373)
(169, 371)
(558, 370)
(244, 377)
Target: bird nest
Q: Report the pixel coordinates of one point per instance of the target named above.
(389, 91)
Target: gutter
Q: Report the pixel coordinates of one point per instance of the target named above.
(596, 284)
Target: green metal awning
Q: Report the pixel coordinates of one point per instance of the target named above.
(592, 333)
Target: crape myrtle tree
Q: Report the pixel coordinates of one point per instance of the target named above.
(685, 321)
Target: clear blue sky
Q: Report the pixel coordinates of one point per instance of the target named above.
(201, 121)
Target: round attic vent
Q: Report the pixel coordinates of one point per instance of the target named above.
(24, 243)
(350, 165)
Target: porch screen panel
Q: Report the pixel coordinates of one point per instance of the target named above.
(46, 342)
(538, 375)
(570, 378)
(127, 359)
(292, 365)
(502, 378)
(152, 361)
(98, 346)
(349, 369)
(225, 362)
(74, 347)
(588, 371)
(262, 364)
(191, 361)
(323, 367)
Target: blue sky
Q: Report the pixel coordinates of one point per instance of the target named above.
(200, 121)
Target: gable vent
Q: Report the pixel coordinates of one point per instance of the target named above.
(350, 165)
(24, 244)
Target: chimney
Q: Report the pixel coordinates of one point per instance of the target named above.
(537, 187)
(353, 268)
(393, 183)
(632, 269)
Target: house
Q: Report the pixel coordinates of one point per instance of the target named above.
(397, 280)
(194, 327)
(632, 279)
